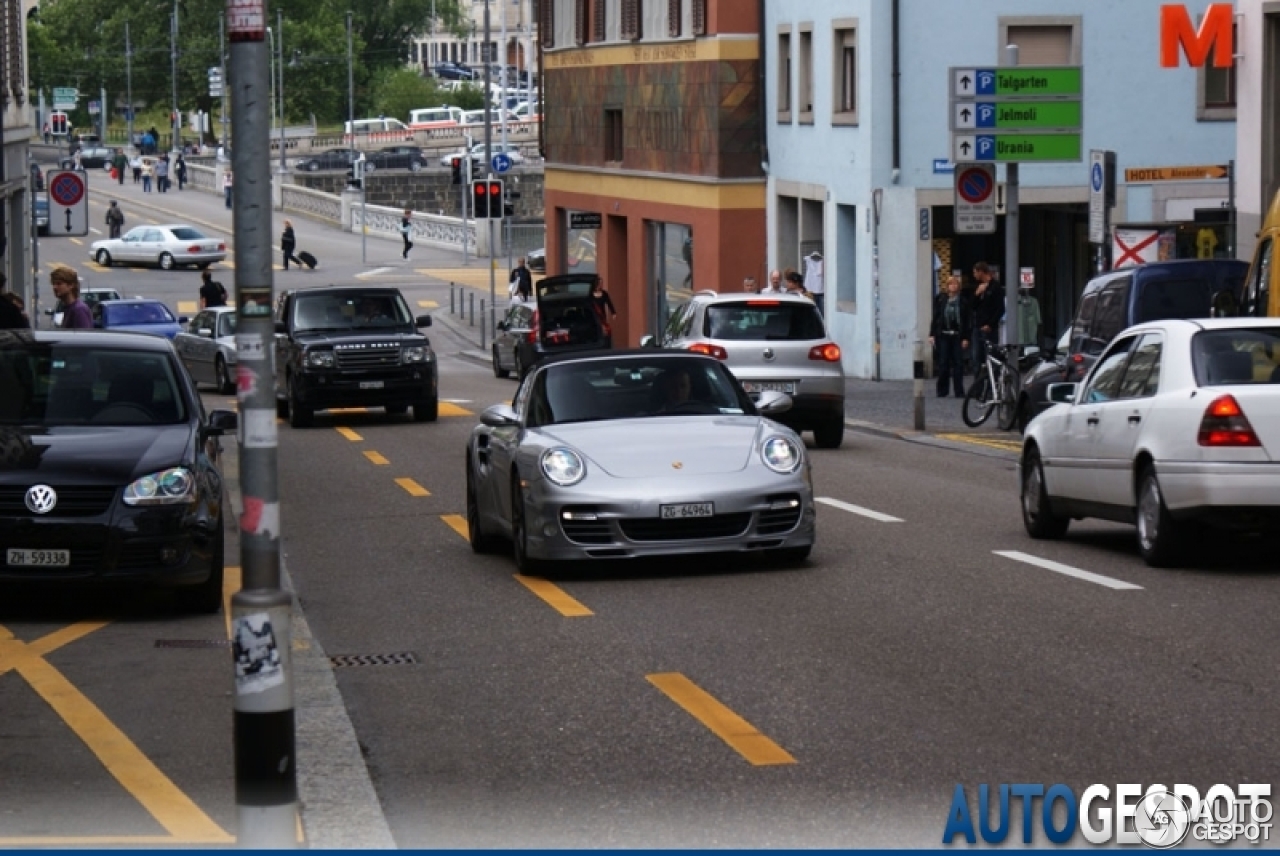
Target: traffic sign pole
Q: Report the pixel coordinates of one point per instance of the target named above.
(1012, 223)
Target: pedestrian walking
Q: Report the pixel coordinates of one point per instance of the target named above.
(135, 164)
(226, 186)
(180, 170)
(212, 292)
(115, 219)
(66, 287)
(46, 133)
(162, 174)
(749, 285)
(288, 241)
(406, 229)
(794, 283)
(603, 306)
(988, 310)
(119, 165)
(521, 281)
(949, 334)
(148, 170)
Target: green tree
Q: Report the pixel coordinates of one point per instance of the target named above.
(399, 91)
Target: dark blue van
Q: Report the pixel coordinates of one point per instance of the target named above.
(1113, 301)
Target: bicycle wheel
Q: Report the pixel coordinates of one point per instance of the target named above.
(978, 401)
(1007, 403)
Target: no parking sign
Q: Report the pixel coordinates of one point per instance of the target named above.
(68, 203)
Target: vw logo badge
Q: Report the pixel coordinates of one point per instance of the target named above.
(41, 499)
(768, 353)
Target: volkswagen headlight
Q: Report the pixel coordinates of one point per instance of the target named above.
(168, 487)
(414, 354)
(563, 466)
(320, 359)
(781, 454)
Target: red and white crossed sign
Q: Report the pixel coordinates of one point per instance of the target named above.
(1136, 247)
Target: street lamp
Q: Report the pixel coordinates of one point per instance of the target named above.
(280, 89)
(173, 62)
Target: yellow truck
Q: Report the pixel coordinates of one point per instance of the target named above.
(1262, 286)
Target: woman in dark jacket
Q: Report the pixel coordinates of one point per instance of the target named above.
(949, 334)
(287, 243)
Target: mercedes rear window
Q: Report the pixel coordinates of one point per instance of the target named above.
(1244, 355)
(186, 233)
(764, 320)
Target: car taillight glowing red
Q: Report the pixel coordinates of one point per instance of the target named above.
(222, 247)
(710, 350)
(194, 248)
(533, 329)
(829, 352)
(1224, 424)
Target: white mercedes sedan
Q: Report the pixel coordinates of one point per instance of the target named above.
(1176, 430)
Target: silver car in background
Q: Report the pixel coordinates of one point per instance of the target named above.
(623, 454)
(208, 348)
(167, 246)
(771, 342)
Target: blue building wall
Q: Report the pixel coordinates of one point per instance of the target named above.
(1145, 113)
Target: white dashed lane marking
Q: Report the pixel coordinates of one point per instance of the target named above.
(1059, 568)
(858, 509)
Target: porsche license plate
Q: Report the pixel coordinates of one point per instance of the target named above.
(371, 384)
(38, 558)
(686, 509)
(787, 386)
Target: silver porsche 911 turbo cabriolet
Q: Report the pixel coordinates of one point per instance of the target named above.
(622, 454)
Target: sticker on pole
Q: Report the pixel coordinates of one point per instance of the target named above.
(246, 20)
(975, 199)
(68, 204)
(257, 654)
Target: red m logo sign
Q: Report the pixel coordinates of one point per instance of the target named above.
(1216, 32)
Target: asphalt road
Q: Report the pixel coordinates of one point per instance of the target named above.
(696, 704)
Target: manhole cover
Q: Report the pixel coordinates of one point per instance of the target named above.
(405, 658)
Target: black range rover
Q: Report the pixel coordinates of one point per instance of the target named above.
(352, 346)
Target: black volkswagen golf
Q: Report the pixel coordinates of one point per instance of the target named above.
(108, 465)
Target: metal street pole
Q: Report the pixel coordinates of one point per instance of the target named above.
(222, 62)
(1012, 274)
(280, 89)
(128, 81)
(173, 62)
(265, 756)
(488, 156)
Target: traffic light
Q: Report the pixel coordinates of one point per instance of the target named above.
(58, 124)
(456, 165)
(487, 197)
(355, 174)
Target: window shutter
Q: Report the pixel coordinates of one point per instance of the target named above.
(597, 21)
(580, 22)
(15, 68)
(674, 15)
(1042, 45)
(631, 17)
(547, 22)
(699, 17)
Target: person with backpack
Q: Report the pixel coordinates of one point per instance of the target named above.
(211, 292)
(115, 219)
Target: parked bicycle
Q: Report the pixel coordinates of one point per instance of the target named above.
(995, 388)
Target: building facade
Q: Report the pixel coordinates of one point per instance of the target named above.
(515, 18)
(15, 202)
(861, 168)
(652, 138)
(1257, 64)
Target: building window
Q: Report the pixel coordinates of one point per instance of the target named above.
(580, 14)
(845, 73)
(675, 17)
(632, 16)
(784, 76)
(699, 17)
(1216, 89)
(613, 148)
(804, 97)
(547, 22)
(598, 33)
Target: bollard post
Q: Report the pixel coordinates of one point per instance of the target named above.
(483, 325)
(917, 370)
(472, 319)
(452, 310)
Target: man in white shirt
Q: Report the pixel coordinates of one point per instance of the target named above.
(775, 283)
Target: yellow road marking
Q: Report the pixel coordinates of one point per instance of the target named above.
(170, 807)
(447, 409)
(46, 645)
(77, 242)
(741, 735)
(458, 524)
(990, 442)
(376, 458)
(428, 304)
(349, 434)
(412, 487)
(230, 585)
(187, 306)
(556, 597)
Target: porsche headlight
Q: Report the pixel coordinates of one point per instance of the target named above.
(320, 359)
(781, 454)
(414, 354)
(563, 466)
(168, 487)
